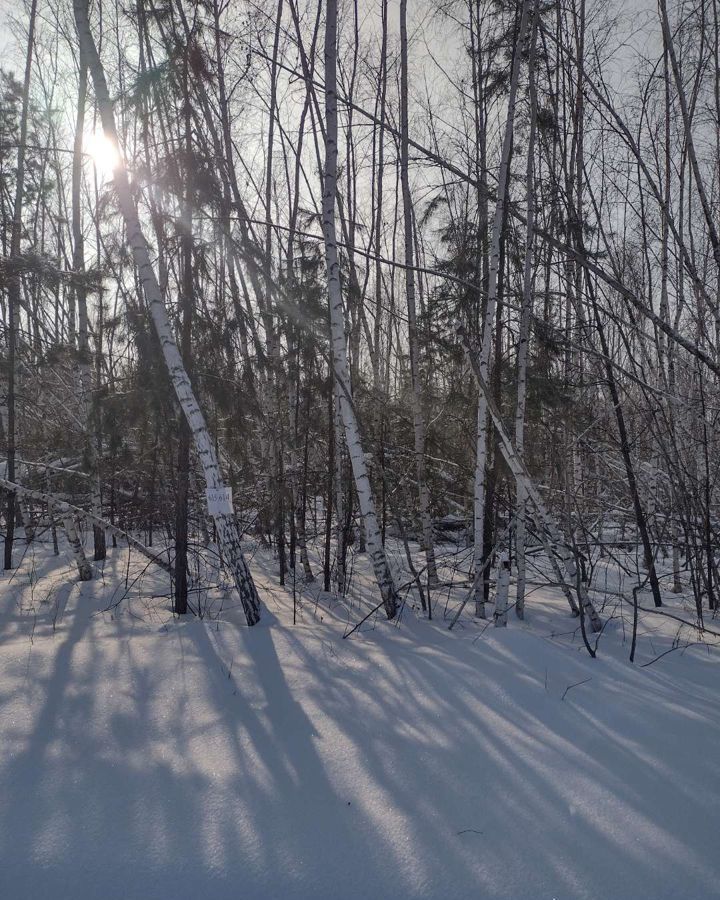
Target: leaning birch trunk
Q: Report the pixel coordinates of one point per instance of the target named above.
(227, 529)
(525, 317)
(549, 533)
(418, 413)
(65, 509)
(489, 317)
(337, 325)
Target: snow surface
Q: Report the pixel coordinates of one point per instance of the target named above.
(144, 758)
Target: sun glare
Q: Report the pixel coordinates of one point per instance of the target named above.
(103, 152)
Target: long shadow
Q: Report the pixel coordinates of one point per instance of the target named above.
(211, 760)
(295, 809)
(564, 793)
(79, 817)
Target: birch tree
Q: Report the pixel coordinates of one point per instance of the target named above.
(525, 319)
(341, 369)
(481, 452)
(227, 528)
(84, 358)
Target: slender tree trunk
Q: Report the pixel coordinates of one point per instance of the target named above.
(227, 528)
(665, 348)
(687, 125)
(84, 365)
(489, 317)
(415, 375)
(625, 450)
(332, 450)
(555, 548)
(337, 325)
(14, 286)
(186, 308)
(525, 317)
(273, 340)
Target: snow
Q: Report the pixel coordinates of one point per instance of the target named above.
(144, 758)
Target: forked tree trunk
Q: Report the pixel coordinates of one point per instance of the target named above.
(337, 325)
(227, 528)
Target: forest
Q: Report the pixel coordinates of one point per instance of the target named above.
(359, 397)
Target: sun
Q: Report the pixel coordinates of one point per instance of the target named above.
(103, 152)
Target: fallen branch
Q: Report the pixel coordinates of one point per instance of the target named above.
(67, 510)
(576, 684)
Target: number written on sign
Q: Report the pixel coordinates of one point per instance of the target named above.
(219, 501)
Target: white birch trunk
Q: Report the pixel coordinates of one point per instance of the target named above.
(489, 317)
(84, 374)
(84, 568)
(337, 325)
(26, 519)
(502, 590)
(524, 336)
(24, 509)
(227, 529)
(53, 528)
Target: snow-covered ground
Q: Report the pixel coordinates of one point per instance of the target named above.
(144, 758)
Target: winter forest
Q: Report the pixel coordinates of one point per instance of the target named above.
(359, 472)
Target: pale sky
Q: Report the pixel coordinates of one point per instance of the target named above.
(4, 36)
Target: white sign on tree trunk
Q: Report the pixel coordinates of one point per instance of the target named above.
(219, 501)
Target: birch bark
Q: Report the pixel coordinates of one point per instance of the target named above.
(84, 569)
(525, 317)
(337, 325)
(502, 590)
(227, 529)
(489, 317)
(84, 364)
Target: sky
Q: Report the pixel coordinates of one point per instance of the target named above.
(4, 7)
